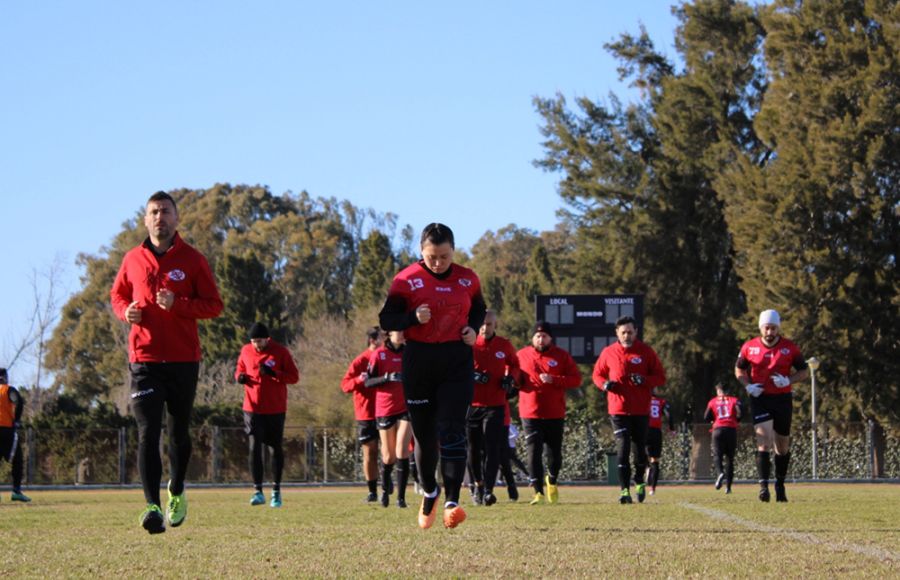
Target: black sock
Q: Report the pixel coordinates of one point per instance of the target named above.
(624, 476)
(276, 486)
(538, 486)
(258, 488)
(654, 474)
(386, 476)
(763, 466)
(552, 479)
(428, 502)
(781, 466)
(373, 485)
(402, 477)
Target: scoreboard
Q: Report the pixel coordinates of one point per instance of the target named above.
(585, 324)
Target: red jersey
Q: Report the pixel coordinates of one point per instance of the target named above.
(265, 394)
(658, 408)
(766, 361)
(538, 400)
(496, 357)
(353, 382)
(165, 336)
(449, 298)
(723, 411)
(389, 397)
(619, 364)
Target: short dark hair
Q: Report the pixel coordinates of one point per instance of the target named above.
(623, 320)
(437, 234)
(163, 196)
(723, 386)
(3, 375)
(372, 333)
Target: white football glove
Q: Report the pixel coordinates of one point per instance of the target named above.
(781, 381)
(754, 389)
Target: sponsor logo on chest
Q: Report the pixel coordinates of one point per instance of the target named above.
(443, 289)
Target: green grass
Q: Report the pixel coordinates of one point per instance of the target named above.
(826, 530)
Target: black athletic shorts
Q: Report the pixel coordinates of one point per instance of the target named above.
(366, 431)
(775, 408)
(654, 442)
(385, 423)
(266, 428)
(9, 441)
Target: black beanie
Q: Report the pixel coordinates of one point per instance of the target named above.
(259, 330)
(542, 326)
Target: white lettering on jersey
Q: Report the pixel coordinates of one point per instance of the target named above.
(753, 350)
(443, 289)
(415, 284)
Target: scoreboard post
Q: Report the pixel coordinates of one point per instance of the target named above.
(585, 324)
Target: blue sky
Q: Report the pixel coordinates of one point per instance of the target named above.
(418, 108)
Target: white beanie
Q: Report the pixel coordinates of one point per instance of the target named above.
(769, 317)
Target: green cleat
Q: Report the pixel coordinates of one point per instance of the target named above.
(176, 508)
(151, 519)
(538, 499)
(552, 491)
(625, 497)
(257, 498)
(641, 489)
(276, 499)
(19, 496)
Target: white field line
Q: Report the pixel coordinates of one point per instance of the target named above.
(871, 551)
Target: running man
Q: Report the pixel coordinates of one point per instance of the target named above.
(364, 409)
(767, 366)
(162, 288)
(11, 405)
(628, 371)
(725, 412)
(391, 417)
(496, 369)
(659, 408)
(547, 372)
(438, 304)
(265, 368)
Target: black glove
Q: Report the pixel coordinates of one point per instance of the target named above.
(610, 386)
(243, 379)
(266, 370)
(636, 379)
(482, 378)
(508, 383)
(394, 377)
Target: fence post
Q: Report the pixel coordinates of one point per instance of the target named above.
(325, 455)
(216, 448)
(122, 441)
(870, 447)
(29, 437)
(685, 451)
(310, 450)
(591, 463)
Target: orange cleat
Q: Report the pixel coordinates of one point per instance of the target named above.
(454, 516)
(427, 520)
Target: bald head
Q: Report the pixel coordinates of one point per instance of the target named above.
(489, 326)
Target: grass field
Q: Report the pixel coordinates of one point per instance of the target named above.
(825, 531)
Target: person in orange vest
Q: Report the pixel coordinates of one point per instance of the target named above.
(10, 413)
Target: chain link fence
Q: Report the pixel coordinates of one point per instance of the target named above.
(331, 455)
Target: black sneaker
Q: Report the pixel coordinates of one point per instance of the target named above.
(152, 519)
(728, 490)
(490, 498)
(780, 495)
(385, 499)
(764, 494)
(625, 497)
(719, 480)
(372, 497)
(401, 502)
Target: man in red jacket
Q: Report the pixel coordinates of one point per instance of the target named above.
(496, 372)
(163, 287)
(364, 409)
(265, 368)
(547, 372)
(627, 372)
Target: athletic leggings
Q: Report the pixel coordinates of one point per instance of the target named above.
(154, 385)
(541, 434)
(265, 430)
(487, 435)
(438, 384)
(630, 429)
(724, 441)
(11, 450)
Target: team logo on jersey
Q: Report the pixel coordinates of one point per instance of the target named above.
(552, 363)
(636, 360)
(176, 275)
(465, 282)
(270, 363)
(785, 351)
(500, 354)
(415, 284)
